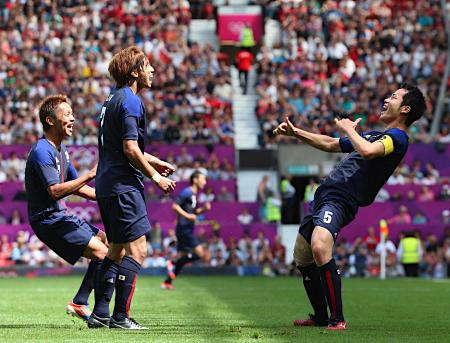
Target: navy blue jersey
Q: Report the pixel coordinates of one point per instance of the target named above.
(122, 118)
(360, 179)
(45, 167)
(188, 202)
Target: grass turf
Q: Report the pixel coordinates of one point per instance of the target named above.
(231, 309)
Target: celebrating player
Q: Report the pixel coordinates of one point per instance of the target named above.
(119, 187)
(354, 182)
(187, 244)
(49, 177)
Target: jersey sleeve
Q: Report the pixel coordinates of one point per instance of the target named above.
(132, 111)
(44, 165)
(346, 144)
(394, 141)
(71, 172)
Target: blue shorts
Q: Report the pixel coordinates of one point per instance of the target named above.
(329, 213)
(186, 240)
(124, 216)
(66, 235)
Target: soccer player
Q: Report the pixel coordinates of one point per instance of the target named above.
(120, 189)
(373, 157)
(49, 177)
(187, 244)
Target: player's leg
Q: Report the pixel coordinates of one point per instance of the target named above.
(104, 286)
(191, 251)
(305, 263)
(135, 254)
(322, 242)
(96, 251)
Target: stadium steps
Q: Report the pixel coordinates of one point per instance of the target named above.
(203, 31)
(245, 123)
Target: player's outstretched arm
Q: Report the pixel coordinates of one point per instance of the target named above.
(86, 192)
(179, 210)
(137, 158)
(162, 167)
(365, 148)
(61, 190)
(321, 142)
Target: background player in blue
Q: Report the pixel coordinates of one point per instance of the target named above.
(187, 244)
(373, 157)
(49, 177)
(119, 187)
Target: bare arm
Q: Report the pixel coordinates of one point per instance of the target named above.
(203, 209)
(61, 190)
(86, 192)
(365, 148)
(137, 158)
(321, 142)
(178, 210)
(162, 167)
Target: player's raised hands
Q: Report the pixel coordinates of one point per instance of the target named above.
(164, 168)
(344, 125)
(286, 128)
(165, 184)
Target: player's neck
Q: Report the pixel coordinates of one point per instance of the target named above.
(54, 139)
(398, 125)
(194, 189)
(134, 87)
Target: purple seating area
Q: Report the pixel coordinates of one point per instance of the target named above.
(9, 189)
(371, 216)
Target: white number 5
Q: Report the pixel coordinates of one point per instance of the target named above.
(327, 217)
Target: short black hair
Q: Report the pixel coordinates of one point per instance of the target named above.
(195, 175)
(48, 106)
(415, 100)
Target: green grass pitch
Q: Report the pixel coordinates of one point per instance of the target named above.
(231, 309)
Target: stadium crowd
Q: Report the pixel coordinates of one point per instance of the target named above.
(65, 47)
(345, 57)
(12, 167)
(360, 258)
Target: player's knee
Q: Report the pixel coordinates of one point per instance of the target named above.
(302, 261)
(318, 249)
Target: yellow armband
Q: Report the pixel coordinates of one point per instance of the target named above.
(388, 143)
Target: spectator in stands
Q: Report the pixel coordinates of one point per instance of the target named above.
(207, 195)
(310, 190)
(184, 158)
(155, 260)
(419, 218)
(446, 217)
(382, 196)
(287, 191)
(396, 178)
(391, 256)
(403, 216)
(169, 243)
(223, 90)
(156, 236)
(273, 208)
(445, 192)
(259, 243)
(16, 218)
(224, 195)
(216, 245)
(21, 195)
(245, 218)
(371, 240)
(409, 254)
(425, 195)
(262, 195)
